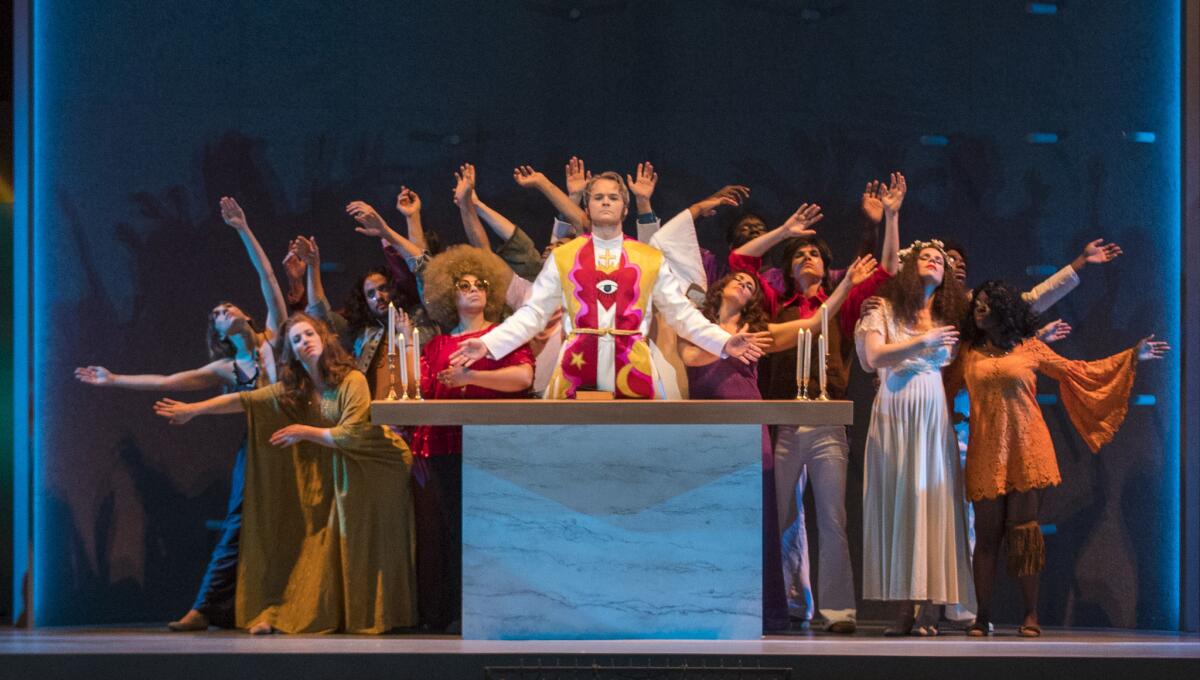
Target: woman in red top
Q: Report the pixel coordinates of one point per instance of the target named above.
(464, 291)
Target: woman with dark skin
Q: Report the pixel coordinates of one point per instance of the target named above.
(1011, 459)
(242, 358)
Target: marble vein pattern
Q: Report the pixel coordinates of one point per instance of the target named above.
(612, 531)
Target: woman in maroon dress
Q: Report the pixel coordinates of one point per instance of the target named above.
(735, 302)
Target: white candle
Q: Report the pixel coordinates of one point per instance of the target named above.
(417, 360)
(822, 348)
(824, 321)
(391, 328)
(807, 356)
(403, 368)
(799, 358)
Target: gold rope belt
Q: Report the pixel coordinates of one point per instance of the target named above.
(605, 331)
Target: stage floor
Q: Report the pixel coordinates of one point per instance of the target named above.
(869, 641)
(132, 653)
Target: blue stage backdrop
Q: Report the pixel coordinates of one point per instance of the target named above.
(1023, 135)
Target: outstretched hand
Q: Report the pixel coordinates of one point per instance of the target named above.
(731, 195)
(1054, 331)
(232, 214)
(404, 325)
(643, 185)
(800, 221)
(408, 202)
(892, 196)
(464, 183)
(527, 177)
(306, 250)
(369, 220)
(747, 347)
(861, 269)
(577, 176)
(177, 412)
(468, 353)
(1099, 252)
(293, 266)
(94, 375)
(1149, 349)
(872, 206)
(292, 434)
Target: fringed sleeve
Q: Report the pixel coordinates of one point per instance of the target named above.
(1095, 393)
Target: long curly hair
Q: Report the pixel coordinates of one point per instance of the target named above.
(1014, 319)
(754, 313)
(358, 312)
(333, 365)
(444, 271)
(906, 292)
(790, 248)
(219, 346)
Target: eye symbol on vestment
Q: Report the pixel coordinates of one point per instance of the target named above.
(607, 286)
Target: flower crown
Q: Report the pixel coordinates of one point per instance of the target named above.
(918, 246)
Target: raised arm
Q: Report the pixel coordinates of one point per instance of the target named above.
(642, 187)
(500, 225)
(872, 215)
(233, 215)
(409, 205)
(178, 412)
(796, 225)
(783, 335)
(464, 194)
(295, 269)
(529, 178)
(371, 224)
(1043, 296)
(892, 197)
(577, 178)
(307, 251)
(731, 194)
(195, 379)
(1096, 252)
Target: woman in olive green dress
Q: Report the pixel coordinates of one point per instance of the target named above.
(325, 531)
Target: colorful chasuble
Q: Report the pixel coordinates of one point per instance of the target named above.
(620, 290)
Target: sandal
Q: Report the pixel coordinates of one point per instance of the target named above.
(1031, 630)
(980, 629)
(925, 631)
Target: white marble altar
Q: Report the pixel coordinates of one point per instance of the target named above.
(616, 531)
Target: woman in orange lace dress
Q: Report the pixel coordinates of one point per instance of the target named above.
(1011, 458)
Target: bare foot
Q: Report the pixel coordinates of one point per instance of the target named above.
(191, 621)
(261, 628)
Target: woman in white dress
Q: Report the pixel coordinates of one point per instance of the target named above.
(914, 523)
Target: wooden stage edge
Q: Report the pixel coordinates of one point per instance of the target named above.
(611, 412)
